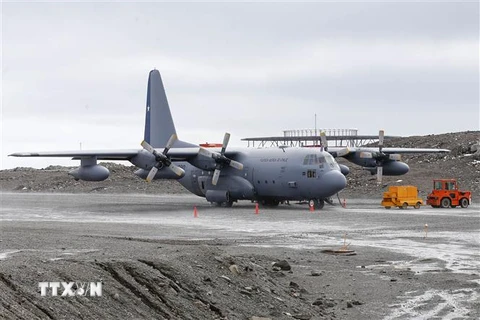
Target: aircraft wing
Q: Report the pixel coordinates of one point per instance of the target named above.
(77, 154)
(408, 150)
(339, 151)
(121, 154)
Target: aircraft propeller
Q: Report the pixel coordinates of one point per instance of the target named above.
(162, 159)
(380, 157)
(324, 143)
(381, 135)
(220, 159)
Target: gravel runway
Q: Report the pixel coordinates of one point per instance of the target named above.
(157, 261)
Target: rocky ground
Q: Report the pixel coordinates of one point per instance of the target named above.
(162, 279)
(147, 278)
(462, 163)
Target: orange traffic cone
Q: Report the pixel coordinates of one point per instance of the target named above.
(256, 208)
(195, 213)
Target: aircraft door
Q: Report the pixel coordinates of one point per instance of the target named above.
(202, 183)
(196, 181)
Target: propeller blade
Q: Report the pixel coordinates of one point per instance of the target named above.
(147, 146)
(381, 135)
(205, 152)
(395, 157)
(236, 165)
(343, 152)
(170, 143)
(177, 170)
(379, 174)
(152, 174)
(226, 138)
(216, 175)
(323, 139)
(366, 155)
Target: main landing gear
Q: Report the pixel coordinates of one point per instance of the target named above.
(316, 203)
(227, 204)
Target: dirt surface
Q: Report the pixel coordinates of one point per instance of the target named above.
(156, 261)
(463, 163)
(224, 269)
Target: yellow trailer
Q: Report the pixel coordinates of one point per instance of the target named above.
(401, 197)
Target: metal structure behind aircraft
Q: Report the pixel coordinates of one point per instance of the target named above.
(221, 175)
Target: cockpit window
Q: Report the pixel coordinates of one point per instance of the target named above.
(331, 162)
(312, 159)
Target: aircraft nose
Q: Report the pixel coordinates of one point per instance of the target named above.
(332, 182)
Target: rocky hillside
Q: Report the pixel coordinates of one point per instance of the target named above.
(462, 163)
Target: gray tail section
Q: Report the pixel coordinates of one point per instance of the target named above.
(159, 125)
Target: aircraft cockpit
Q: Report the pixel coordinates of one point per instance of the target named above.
(323, 159)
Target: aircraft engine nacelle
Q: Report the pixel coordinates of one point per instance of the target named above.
(217, 196)
(90, 173)
(143, 159)
(392, 168)
(344, 169)
(161, 174)
(203, 163)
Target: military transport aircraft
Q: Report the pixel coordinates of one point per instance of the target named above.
(222, 176)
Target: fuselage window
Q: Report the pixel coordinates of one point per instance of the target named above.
(311, 173)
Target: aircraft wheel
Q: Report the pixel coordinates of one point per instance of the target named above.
(270, 202)
(417, 205)
(404, 205)
(445, 203)
(274, 203)
(228, 204)
(464, 203)
(317, 203)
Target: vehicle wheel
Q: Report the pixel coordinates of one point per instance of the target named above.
(417, 205)
(445, 203)
(387, 207)
(464, 203)
(404, 205)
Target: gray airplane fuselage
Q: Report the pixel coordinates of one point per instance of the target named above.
(268, 174)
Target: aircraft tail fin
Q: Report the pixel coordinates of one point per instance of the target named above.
(159, 125)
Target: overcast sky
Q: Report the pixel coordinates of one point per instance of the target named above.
(77, 72)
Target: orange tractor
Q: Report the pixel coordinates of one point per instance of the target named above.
(445, 194)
